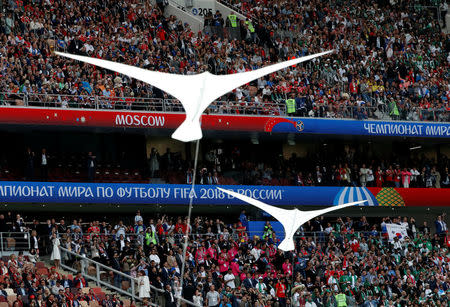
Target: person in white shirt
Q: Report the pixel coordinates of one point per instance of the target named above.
(397, 243)
(309, 301)
(120, 229)
(212, 297)
(256, 252)
(296, 298)
(328, 229)
(333, 283)
(229, 279)
(138, 217)
(197, 299)
(261, 286)
(363, 175)
(44, 165)
(154, 257)
(370, 177)
(414, 174)
(144, 285)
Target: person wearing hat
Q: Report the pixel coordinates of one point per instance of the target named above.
(261, 286)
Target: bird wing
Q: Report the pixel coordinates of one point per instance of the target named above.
(314, 213)
(175, 85)
(278, 213)
(227, 83)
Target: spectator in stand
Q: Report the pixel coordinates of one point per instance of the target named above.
(29, 164)
(56, 255)
(80, 282)
(406, 177)
(91, 165)
(359, 238)
(441, 225)
(369, 72)
(44, 165)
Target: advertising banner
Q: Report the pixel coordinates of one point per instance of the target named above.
(223, 122)
(171, 194)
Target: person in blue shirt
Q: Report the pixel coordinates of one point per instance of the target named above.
(225, 302)
(243, 219)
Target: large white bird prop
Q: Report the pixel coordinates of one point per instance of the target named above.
(290, 219)
(195, 92)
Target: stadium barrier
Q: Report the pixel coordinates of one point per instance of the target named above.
(178, 194)
(256, 231)
(364, 111)
(14, 242)
(134, 103)
(108, 277)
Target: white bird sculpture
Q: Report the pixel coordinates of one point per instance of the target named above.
(290, 219)
(195, 92)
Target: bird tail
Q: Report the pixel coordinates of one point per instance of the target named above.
(188, 131)
(287, 244)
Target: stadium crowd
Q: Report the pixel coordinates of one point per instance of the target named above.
(337, 262)
(308, 172)
(26, 281)
(389, 63)
(346, 168)
(234, 166)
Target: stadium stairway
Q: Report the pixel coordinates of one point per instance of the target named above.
(101, 292)
(177, 8)
(447, 23)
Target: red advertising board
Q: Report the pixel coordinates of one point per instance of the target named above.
(135, 119)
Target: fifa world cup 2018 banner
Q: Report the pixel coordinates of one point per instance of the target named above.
(154, 120)
(171, 194)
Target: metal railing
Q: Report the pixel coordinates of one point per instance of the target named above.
(14, 242)
(134, 104)
(96, 272)
(100, 274)
(232, 6)
(137, 239)
(376, 107)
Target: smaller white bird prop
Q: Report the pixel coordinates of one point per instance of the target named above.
(290, 219)
(195, 92)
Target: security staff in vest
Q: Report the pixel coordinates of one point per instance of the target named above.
(150, 238)
(291, 107)
(232, 24)
(268, 231)
(251, 30)
(232, 21)
(341, 300)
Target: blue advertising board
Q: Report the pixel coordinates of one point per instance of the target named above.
(361, 127)
(171, 194)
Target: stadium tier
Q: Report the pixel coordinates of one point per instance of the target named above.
(99, 206)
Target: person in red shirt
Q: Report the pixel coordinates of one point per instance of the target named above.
(354, 244)
(80, 282)
(179, 226)
(379, 177)
(241, 230)
(397, 176)
(280, 290)
(390, 177)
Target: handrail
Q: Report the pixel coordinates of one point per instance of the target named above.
(136, 103)
(365, 111)
(99, 282)
(97, 279)
(6, 245)
(299, 234)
